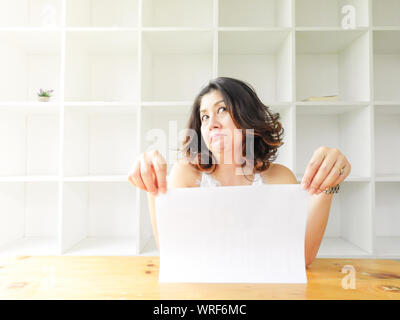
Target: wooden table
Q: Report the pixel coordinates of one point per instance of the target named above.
(68, 277)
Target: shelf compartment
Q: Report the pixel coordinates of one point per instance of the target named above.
(150, 248)
(386, 65)
(102, 66)
(387, 219)
(332, 127)
(99, 142)
(335, 247)
(255, 13)
(176, 64)
(178, 13)
(104, 246)
(387, 131)
(328, 13)
(99, 218)
(29, 138)
(103, 13)
(387, 247)
(261, 58)
(332, 63)
(349, 229)
(29, 218)
(29, 60)
(386, 12)
(27, 13)
(146, 237)
(387, 178)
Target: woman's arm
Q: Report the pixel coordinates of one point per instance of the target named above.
(319, 206)
(318, 213)
(152, 211)
(327, 168)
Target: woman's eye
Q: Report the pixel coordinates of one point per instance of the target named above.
(223, 108)
(202, 117)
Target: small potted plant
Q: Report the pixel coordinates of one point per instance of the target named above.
(44, 95)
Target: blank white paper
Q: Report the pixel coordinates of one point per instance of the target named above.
(233, 234)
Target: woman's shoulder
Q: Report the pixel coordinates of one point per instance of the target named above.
(183, 175)
(278, 174)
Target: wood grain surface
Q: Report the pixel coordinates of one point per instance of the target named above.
(70, 277)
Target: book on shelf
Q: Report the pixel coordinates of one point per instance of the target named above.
(322, 98)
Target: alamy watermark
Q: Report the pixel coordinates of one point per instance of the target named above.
(349, 18)
(349, 280)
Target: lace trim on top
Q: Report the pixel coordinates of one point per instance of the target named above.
(207, 180)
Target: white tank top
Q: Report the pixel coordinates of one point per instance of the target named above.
(207, 180)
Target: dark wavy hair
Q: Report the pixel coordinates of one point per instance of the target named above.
(247, 112)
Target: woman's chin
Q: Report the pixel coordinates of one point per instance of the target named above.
(220, 150)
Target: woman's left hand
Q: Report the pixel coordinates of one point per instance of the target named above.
(327, 168)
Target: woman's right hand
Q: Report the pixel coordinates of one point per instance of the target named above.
(149, 172)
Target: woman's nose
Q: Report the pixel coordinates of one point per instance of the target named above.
(214, 123)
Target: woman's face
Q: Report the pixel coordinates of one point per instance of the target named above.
(217, 126)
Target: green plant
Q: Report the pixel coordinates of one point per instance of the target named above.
(45, 93)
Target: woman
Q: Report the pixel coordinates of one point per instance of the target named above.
(212, 155)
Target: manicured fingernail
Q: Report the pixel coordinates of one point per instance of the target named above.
(304, 185)
(312, 191)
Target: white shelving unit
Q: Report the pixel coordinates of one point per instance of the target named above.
(125, 73)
